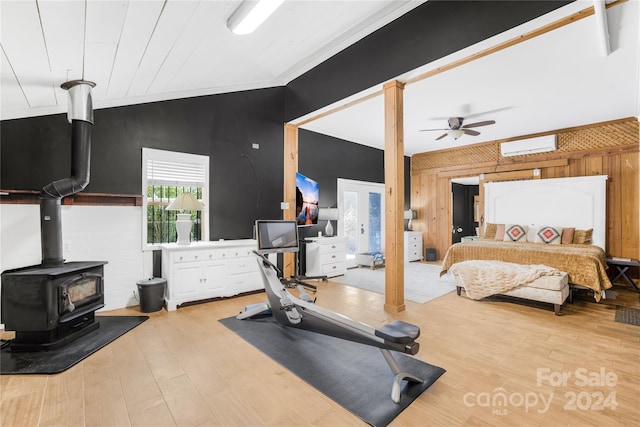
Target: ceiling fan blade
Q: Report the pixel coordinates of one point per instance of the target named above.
(477, 124)
(441, 136)
(429, 130)
(470, 132)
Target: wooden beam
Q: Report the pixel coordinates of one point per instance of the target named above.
(289, 187)
(394, 196)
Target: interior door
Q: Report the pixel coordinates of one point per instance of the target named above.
(458, 194)
(361, 207)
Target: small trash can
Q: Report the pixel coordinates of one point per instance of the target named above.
(431, 254)
(151, 293)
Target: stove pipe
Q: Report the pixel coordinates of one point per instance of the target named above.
(80, 115)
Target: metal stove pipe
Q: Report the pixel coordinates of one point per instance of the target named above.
(80, 115)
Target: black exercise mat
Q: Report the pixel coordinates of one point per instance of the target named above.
(353, 375)
(627, 315)
(61, 359)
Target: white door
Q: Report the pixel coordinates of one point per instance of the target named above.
(361, 207)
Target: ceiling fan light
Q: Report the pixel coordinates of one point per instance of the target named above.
(250, 15)
(455, 133)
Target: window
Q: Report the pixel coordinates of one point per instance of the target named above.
(165, 174)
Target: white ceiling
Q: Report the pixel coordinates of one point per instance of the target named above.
(143, 51)
(558, 80)
(149, 50)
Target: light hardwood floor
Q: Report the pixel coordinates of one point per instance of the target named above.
(184, 368)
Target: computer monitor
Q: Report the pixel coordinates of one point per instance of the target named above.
(276, 236)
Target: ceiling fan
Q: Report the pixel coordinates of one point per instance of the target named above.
(457, 129)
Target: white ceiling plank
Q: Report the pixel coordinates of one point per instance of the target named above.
(139, 24)
(31, 71)
(104, 27)
(63, 27)
(197, 30)
(11, 93)
(175, 17)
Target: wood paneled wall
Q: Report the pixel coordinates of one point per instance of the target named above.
(610, 148)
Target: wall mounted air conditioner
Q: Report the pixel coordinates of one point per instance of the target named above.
(541, 144)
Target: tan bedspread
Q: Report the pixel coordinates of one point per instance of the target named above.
(584, 264)
(483, 278)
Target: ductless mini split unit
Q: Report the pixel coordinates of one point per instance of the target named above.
(541, 144)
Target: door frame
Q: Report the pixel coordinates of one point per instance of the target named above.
(342, 182)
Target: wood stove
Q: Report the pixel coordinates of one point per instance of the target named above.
(48, 307)
(51, 304)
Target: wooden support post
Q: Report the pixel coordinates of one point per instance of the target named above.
(289, 189)
(394, 196)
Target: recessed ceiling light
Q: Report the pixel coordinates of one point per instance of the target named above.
(250, 14)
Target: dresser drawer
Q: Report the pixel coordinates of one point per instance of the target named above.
(244, 282)
(191, 256)
(411, 238)
(331, 247)
(242, 265)
(334, 269)
(415, 246)
(332, 257)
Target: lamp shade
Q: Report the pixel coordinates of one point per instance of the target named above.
(330, 214)
(410, 214)
(185, 202)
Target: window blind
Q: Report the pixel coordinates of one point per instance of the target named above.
(167, 173)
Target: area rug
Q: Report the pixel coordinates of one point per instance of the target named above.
(353, 375)
(627, 315)
(422, 282)
(60, 359)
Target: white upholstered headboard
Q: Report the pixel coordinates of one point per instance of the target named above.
(578, 202)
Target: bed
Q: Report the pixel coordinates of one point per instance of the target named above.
(562, 202)
(584, 264)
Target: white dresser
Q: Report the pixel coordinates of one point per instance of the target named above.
(205, 270)
(412, 246)
(326, 256)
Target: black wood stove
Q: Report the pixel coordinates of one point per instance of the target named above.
(51, 304)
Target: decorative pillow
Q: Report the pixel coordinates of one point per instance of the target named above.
(515, 233)
(582, 237)
(549, 235)
(499, 232)
(531, 233)
(567, 235)
(490, 231)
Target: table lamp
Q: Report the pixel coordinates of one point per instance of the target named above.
(184, 202)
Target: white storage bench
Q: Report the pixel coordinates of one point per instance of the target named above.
(549, 289)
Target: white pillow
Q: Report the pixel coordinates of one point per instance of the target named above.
(515, 233)
(549, 235)
(531, 232)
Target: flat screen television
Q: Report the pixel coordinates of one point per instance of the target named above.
(306, 200)
(276, 236)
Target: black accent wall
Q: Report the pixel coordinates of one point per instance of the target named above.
(245, 183)
(325, 159)
(431, 31)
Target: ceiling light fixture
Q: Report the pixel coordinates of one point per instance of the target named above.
(455, 133)
(250, 14)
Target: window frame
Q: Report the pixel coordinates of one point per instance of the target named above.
(176, 157)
